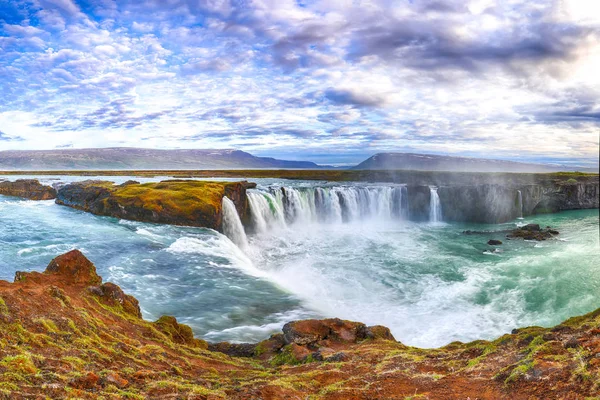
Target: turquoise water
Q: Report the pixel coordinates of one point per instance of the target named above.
(429, 283)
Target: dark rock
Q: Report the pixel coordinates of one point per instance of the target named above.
(572, 343)
(494, 242)
(233, 349)
(129, 182)
(532, 232)
(338, 357)
(30, 189)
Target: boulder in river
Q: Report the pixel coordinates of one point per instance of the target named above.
(532, 232)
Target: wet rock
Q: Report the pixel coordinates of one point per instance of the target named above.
(113, 295)
(494, 242)
(531, 227)
(30, 189)
(532, 232)
(179, 333)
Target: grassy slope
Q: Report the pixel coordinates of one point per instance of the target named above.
(58, 339)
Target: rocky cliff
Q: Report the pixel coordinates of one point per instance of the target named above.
(65, 334)
(497, 203)
(177, 202)
(30, 189)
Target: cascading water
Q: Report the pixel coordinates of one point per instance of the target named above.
(265, 211)
(520, 205)
(232, 225)
(435, 206)
(279, 206)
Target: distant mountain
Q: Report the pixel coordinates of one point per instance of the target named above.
(431, 162)
(134, 158)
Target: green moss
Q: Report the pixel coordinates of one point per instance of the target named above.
(519, 371)
(7, 386)
(3, 308)
(21, 363)
(284, 357)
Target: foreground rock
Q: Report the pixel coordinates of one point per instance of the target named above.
(177, 202)
(30, 189)
(65, 334)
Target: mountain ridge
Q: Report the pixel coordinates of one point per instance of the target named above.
(141, 158)
(434, 162)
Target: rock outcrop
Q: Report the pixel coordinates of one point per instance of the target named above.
(63, 334)
(499, 202)
(30, 189)
(177, 202)
(532, 232)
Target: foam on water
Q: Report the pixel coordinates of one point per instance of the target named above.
(335, 251)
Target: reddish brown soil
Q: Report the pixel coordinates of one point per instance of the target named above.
(64, 335)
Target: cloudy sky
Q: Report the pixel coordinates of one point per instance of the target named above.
(329, 81)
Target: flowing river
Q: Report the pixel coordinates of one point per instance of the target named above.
(323, 250)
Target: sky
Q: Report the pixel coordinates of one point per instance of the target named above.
(327, 81)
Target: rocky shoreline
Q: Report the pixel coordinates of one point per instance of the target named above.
(65, 334)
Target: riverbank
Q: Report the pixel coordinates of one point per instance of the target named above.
(64, 334)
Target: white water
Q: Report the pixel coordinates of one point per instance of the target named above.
(435, 206)
(278, 207)
(520, 196)
(429, 284)
(232, 225)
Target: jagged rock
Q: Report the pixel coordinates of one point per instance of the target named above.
(75, 268)
(494, 242)
(179, 333)
(30, 189)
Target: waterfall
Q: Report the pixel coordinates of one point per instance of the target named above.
(265, 211)
(520, 204)
(232, 225)
(278, 206)
(435, 207)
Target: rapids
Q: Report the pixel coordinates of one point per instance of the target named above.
(321, 250)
